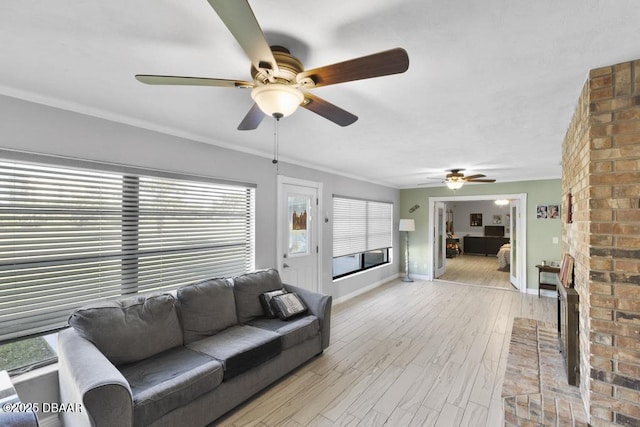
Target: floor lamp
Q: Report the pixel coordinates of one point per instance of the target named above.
(407, 225)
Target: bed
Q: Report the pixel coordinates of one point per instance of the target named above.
(504, 256)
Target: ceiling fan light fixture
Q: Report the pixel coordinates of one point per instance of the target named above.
(501, 202)
(454, 184)
(276, 99)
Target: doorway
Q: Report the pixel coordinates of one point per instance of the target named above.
(436, 262)
(299, 232)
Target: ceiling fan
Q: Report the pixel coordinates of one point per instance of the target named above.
(280, 82)
(455, 179)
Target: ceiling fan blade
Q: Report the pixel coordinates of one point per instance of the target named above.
(440, 181)
(190, 81)
(327, 110)
(253, 119)
(243, 25)
(474, 176)
(480, 180)
(379, 64)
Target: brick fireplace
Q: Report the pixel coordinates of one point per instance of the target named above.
(601, 189)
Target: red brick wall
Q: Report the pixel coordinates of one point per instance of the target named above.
(601, 170)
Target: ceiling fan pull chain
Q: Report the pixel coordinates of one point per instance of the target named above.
(275, 142)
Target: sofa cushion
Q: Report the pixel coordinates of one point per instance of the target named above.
(206, 308)
(249, 287)
(130, 329)
(169, 380)
(240, 348)
(293, 332)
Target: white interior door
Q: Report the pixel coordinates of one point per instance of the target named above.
(440, 239)
(514, 236)
(298, 231)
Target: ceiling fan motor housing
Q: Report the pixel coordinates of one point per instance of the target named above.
(455, 174)
(288, 68)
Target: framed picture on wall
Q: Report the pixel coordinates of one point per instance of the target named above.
(566, 271)
(548, 211)
(476, 220)
(541, 212)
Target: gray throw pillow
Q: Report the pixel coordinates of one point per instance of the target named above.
(206, 308)
(265, 300)
(288, 306)
(130, 329)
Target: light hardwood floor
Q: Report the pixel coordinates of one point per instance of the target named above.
(476, 270)
(405, 354)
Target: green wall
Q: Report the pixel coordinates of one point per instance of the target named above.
(540, 233)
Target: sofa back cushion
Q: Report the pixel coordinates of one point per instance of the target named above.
(249, 287)
(130, 329)
(206, 308)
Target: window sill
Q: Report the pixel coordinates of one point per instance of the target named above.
(35, 374)
(361, 272)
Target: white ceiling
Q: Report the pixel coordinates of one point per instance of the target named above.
(491, 85)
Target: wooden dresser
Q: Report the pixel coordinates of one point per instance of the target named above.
(486, 245)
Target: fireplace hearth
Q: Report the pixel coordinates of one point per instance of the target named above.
(535, 391)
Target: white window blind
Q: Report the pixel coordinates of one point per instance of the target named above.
(361, 225)
(69, 237)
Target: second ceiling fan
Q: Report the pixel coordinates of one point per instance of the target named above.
(455, 179)
(280, 82)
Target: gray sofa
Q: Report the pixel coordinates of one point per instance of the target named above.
(183, 359)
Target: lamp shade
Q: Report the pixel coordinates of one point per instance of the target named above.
(277, 99)
(455, 184)
(407, 225)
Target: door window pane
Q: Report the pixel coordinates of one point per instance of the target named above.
(299, 220)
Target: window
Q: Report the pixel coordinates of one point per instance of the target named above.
(71, 236)
(362, 234)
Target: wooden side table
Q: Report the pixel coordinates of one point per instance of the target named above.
(546, 285)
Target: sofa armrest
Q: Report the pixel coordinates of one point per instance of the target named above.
(320, 306)
(19, 419)
(88, 378)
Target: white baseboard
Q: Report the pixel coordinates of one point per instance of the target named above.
(415, 276)
(364, 290)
